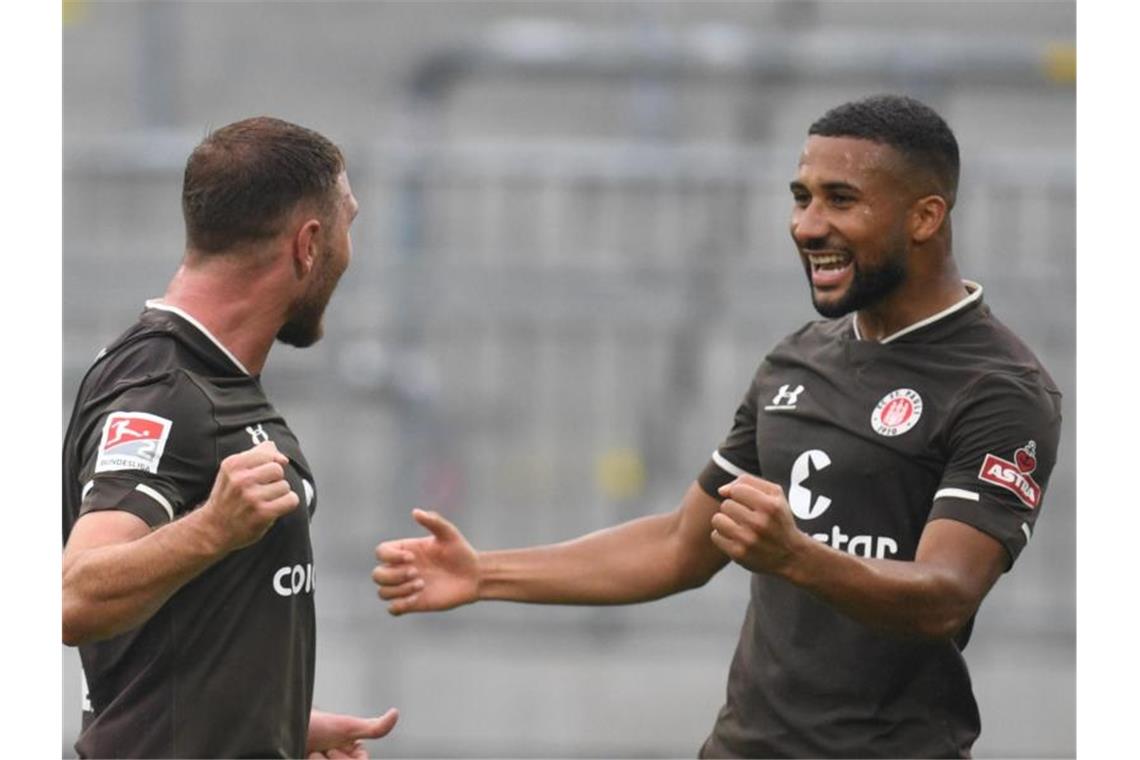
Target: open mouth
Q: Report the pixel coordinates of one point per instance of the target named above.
(829, 269)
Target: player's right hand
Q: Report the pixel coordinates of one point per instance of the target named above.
(432, 573)
(249, 494)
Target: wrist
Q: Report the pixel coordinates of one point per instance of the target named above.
(484, 575)
(804, 552)
(211, 537)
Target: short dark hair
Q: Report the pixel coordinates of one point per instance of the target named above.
(912, 128)
(243, 180)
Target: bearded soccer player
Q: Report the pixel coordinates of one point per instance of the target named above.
(188, 567)
(885, 467)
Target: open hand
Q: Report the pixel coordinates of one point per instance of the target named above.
(436, 572)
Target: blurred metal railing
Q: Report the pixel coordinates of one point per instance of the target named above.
(715, 51)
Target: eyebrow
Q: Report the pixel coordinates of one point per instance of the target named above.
(827, 186)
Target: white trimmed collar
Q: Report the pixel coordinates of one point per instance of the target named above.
(975, 293)
(156, 303)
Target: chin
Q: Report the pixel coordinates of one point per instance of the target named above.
(300, 337)
(831, 306)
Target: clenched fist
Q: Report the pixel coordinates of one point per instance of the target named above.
(249, 494)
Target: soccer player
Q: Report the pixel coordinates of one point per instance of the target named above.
(885, 467)
(187, 567)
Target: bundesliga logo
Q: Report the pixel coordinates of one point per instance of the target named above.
(897, 412)
(132, 441)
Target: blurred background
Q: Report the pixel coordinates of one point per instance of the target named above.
(572, 252)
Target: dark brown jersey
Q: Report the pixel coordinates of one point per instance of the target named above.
(951, 418)
(225, 667)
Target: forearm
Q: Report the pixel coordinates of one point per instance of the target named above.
(114, 588)
(907, 598)
(637, 561)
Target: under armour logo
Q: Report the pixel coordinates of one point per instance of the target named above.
(785, 398)
(257, 434)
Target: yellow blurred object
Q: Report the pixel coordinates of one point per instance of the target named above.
(74, 10)
(1061, 62)
(621, 474)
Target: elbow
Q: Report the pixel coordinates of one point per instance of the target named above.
(74, 632)
(80, 627)
(947, 621)
(940, 627)
(696, 573)
(696, 579)
(72, 616)
(78, 619)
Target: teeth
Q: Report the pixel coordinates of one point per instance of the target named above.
(828, 260)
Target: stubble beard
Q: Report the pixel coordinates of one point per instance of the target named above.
(868, 286)
(305, 325)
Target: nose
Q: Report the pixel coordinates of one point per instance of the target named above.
(808, 223)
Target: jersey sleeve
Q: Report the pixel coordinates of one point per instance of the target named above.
(1003, 445)
(150, 452)
(737, 453)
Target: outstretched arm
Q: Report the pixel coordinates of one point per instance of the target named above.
(117, 572)
(934, 596)
(636, 561)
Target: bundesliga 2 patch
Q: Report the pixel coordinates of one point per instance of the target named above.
(1014, 476)
(132, 441)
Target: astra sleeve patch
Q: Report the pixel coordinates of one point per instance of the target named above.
(1014, 477)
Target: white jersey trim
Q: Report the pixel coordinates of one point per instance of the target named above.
(956, 493)
(975, 293)
(86, 489)
(162, 502)
(1025, 530)
(84, 692)
(156, 303)
(728, 466)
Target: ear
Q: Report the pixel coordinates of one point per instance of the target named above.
(304, 251)
(926, 217)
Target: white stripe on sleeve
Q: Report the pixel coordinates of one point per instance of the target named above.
(956, 493)
(143, 488)
(727, 466)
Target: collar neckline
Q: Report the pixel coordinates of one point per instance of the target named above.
(974, 295)
(157, 303)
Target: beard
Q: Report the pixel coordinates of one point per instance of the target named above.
(305, 324)
(869, 285)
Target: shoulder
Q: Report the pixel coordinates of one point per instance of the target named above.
(142, 354)
(1007, 397)
(1004, 365)
(148, 370)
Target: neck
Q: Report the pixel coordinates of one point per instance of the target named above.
(228, 299)
(916, 299)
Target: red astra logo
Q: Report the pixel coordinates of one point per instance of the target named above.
(1014, 476)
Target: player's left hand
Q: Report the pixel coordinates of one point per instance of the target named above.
(332, 735)
(755, 526)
